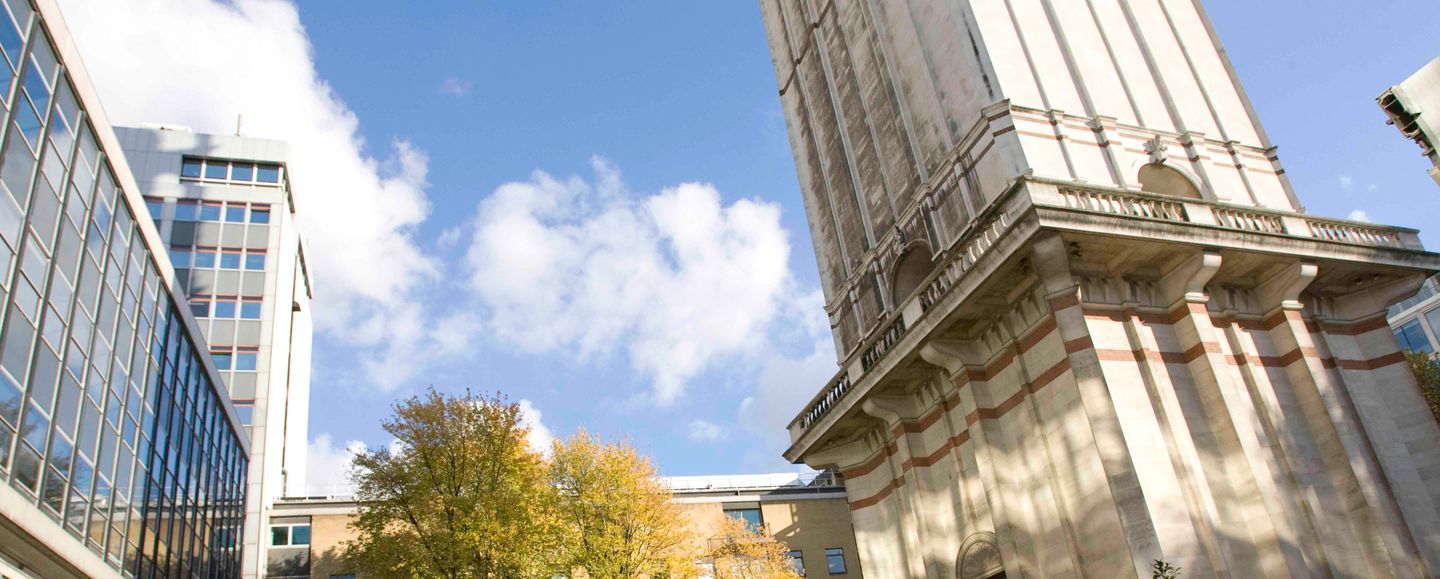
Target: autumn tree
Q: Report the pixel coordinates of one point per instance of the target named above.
(618, 520)
(1426, 367)
(741, 552)
(463, 496)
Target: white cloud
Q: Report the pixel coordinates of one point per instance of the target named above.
(540, 435)
(786, 383)
(456, 86)
(1346, 182)
(1358, 215)
(328, 467)
(203, 62)
(677, 279)
(706, 431)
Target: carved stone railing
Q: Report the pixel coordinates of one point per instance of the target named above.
(1353, 233)
(971, 250)
(1248, 220)
(1123, 204)
(883, 343)
(830, 396)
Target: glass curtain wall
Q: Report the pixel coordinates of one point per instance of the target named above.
(109, 419)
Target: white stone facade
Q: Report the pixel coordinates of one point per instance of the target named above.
(1084, 322)
(276, 391)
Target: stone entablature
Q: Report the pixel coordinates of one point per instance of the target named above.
(1066, 206)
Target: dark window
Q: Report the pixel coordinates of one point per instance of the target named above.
(200, 309)
(190, 169)
(279, 536)
(300, 535)
(258, 215)
(835, 560)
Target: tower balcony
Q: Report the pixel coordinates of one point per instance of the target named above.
(1127, 250)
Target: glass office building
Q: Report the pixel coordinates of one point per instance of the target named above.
(120, 451)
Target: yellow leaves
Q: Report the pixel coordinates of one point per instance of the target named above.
(739, 552)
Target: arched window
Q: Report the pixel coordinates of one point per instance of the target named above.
(1162, 180)
(912, 269)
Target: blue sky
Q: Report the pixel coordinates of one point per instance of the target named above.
(589, 117)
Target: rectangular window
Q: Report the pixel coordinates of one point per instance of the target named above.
(222, 360)
(1412, 337)
(209, 212)
(300, 535)
(200, 309)
(797, 562)
(204, 258)
(751, 517)
(250, 310)
(186, 210)
(156, 207)
(267, 173)
(259, 214)
(835, 560)
(235, 213)
(230, 260)
(246, 360)
(255, 262)
(180, 257)
(242, 172)
(279, 536)
(216, 169)
(245, 411)
(190, 169)
(225, 309)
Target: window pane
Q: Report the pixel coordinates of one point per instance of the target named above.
(200, 309)
(246, 413)
(258, 215)
(186, 211)
(156, 208)
(751, 518)
(1415, 338)
(216, 169)
(209, 212)
(190, 168)
(229, 260)
(279, 535)
(835, 560)
(300, 535)
(268, 174)
(797, 563)
(205, 258)
(234, 214)
(180, 257)
(245, 361)
(222, 360)
(242, 172)
(224, 309)
(250, 310)
(255, 261)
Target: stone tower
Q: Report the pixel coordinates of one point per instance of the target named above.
(1083, 321)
